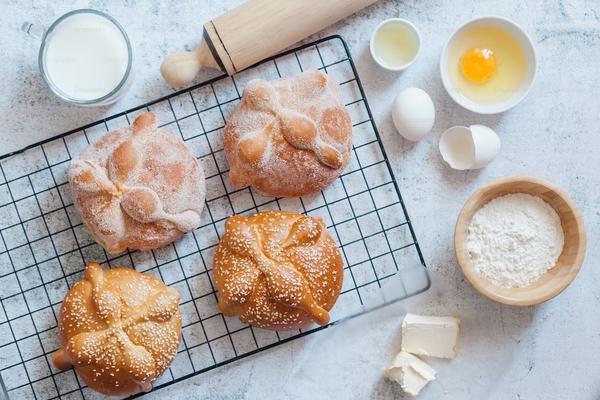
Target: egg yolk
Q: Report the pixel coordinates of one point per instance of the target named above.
(478, 64)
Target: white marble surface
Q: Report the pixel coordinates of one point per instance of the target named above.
(552, 134)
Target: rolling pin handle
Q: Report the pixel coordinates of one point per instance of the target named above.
(179, 69)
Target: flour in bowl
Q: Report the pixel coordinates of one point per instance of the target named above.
(514, 239)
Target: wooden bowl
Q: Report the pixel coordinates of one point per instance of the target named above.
(556, 279)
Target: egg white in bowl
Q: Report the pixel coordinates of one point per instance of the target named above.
(488, 65)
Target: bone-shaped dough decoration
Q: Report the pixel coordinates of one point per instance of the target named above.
(104, 334)
(298, 129)
(254, 259)
(124, 184)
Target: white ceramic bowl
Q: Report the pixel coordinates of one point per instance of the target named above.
(408, 25)
(524, 40)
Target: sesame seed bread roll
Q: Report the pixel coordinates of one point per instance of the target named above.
(119, 328)
(138, 186)
(289, 137)
(277, 270)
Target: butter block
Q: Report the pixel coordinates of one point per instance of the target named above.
(410, 372)
(430, 336)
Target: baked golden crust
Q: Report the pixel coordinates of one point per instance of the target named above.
(119, 328)
(138, 187)
(277, 270)
(290, 137)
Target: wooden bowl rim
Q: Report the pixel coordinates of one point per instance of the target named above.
(475, 279)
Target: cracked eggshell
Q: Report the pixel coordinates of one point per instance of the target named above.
(469, 148)
(457, 148)
(413, 113)
(487, 145)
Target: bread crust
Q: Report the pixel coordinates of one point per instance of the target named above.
(138, 187)
(277, 270)
(290, 137)
(119, 328)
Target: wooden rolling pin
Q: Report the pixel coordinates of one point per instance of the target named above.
(254, 31)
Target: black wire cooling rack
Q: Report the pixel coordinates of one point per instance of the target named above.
(44, 249)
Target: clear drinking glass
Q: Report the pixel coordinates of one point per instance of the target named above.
(76, 57)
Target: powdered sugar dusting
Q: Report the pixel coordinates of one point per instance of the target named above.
(515, 239)
(289, 137)
(137, 187)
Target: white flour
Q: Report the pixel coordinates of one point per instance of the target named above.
(514, 239)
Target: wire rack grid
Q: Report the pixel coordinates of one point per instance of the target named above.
(44, 249)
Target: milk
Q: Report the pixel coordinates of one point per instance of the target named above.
(86, 56)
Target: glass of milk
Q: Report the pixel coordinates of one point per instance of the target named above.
(86, 58)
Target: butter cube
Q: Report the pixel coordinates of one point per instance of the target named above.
(430, 336)
(410, 372)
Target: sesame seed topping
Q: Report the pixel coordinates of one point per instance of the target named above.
(123, 320)
(269, 269)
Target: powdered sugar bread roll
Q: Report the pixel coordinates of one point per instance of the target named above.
(138, 187)
(277, 270)
(290, 137)
(119, 328)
